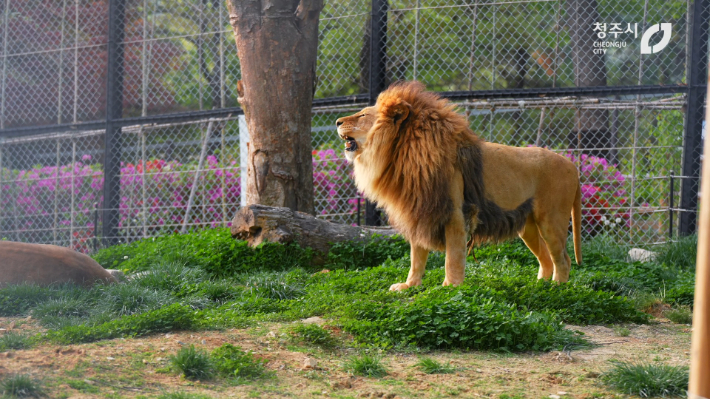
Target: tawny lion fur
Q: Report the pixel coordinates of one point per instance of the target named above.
(440, 183)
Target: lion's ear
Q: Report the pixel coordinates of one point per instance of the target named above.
(399, 113)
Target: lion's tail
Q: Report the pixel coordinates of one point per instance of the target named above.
(577, 225)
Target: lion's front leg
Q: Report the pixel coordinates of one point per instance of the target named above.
(416, 272)
(455, 250)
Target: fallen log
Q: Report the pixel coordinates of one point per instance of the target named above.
(258, 223)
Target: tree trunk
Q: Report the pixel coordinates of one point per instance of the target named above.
(258, 223)
(277, 44)
(591, 125)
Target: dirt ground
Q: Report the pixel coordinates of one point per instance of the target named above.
(139, 367)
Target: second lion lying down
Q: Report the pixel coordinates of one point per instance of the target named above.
(439, 183)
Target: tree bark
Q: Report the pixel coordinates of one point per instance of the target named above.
(591, 126)
(277, 43)
(258, 223)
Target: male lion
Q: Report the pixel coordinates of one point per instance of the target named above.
(438, 182)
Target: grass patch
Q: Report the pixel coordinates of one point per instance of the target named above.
(172, 317)
(647, 380)
(311, 334)
(366, 365)
(431, 366)
(681, 253)
(21, 386)
(232, 361)
(194, 364)
(622, 331)
(681, 315)
(182, 395)
(13, 340)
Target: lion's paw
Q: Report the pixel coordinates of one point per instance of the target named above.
(451, 283)
(399, 286)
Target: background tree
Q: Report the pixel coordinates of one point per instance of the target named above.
(277, 42)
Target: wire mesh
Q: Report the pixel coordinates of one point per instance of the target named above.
(180, 57)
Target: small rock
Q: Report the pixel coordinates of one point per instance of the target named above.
(204, 342)
(309, 363)
(313, 320)
(145, 361)
(479, 370)
(641, 255)
(271, 334)
(162, 349)
(554, 396)
(89, 382)
(181, 343)
(110, 358)
(561, 393)
(168, 335)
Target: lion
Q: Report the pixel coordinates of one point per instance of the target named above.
(439, 183)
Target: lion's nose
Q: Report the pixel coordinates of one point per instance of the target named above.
(338, 123)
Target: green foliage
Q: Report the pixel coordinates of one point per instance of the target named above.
(369, 253)
(431, 366)
(232, 361)
(366, 365)
(214, 250)
(130, 298)
(20, 386)
(273, 286)
(647, 380)
(681, 253)
(312, 334)
(16, 300)
(13, 340)
(172, 317)
(444, 318)
(192, 363)
(681, 315)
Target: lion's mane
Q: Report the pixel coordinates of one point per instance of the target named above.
(408, 167)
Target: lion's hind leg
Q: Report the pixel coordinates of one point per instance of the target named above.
(553, 230)
(537, 246)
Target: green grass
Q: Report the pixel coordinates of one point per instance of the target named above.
(20, 386)
(232, 361)
(187, 283)
(681, 253)
(431, 366)
(622, 331)
(366, 365)
(311, 334)
(681, 315)
(647, 380)
(194, 364)
(13, 340)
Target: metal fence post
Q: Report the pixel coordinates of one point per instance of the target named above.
(378, 77)
(692, 140)
(114, 112)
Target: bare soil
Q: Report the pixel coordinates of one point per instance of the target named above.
(140, 367)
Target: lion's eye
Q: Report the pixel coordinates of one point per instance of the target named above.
(360, 116)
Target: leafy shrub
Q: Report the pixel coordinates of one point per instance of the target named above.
(431, 366)
(366, 365)
(192, 363)
(21, 386)
(647, 380)
(172, 317)
(312, 334)
(230, 360)
(436, 319)
(13, 340)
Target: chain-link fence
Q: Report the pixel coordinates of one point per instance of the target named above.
(578, 76)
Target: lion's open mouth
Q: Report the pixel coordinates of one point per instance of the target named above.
(350, 144)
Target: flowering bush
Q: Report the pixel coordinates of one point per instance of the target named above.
(604, 199)
(32, 195)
